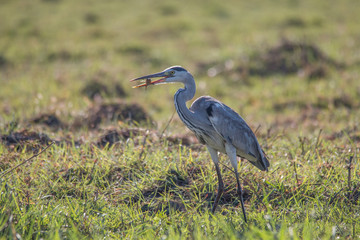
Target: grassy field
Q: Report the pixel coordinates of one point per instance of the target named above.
(118, 167)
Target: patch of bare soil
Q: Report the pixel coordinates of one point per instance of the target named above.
(18, 140)
(32, 140)
(25, 136)
(292, 57)
(307, 117)
(139, 135)
(185, 140)
(96, 87)
(108, 112)
(287, 57)
(3, 61)
(352, 132)
(342, 101)
(113, 136)
(48, 119)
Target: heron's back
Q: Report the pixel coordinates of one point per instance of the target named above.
(230, 127)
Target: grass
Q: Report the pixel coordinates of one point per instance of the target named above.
(143, 185)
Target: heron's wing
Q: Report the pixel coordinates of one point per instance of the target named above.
(235, 130)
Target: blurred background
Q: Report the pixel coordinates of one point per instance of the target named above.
(286, 65)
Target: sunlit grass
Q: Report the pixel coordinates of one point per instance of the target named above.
(148, 187)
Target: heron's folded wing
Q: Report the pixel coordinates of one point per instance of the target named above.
(235, 130)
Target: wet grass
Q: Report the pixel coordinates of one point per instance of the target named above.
(118, 170)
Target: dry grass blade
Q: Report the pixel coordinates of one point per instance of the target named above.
(349, 176)
(26, 160)
(167, 125)
(143, 145)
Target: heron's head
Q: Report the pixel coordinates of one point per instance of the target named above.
(170, 75)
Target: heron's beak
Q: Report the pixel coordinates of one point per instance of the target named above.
(161, 75)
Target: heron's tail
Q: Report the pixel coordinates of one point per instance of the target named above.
(264, 161)
(261, 161)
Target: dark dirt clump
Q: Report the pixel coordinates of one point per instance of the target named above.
(91, 18)
(94, 89)
(292, 57)
(3, 61)
(107, 112)
(186, 140)
(25, 136)
(64, 55)
(119, 91)
(352, 133)
(32, 140)
(112, 137)
(50, 120)
(342, 101)
(287, 57)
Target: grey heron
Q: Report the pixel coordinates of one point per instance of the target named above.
(216, 125)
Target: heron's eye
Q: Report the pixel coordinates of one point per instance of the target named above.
(172, 72)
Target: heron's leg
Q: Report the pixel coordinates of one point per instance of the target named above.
(215, 158)
(231, 152)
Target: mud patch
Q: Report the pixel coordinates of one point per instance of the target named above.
(91, 18)
(3, 62)
(94, 89)
(114, 136)
(110, 112)
(352, 132)
(138, 135)
(186, 140)
(292, 57)
(321, 102)
(47, 119)
(342, 101)
(29, 139)
(287, 57)
(120, 91)
(25, 136)
(64, 55)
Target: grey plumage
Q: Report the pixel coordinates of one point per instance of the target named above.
(233, 129)
(216, 125)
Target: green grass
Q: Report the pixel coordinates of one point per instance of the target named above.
(150, 187)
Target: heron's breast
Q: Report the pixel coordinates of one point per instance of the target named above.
(213, 140)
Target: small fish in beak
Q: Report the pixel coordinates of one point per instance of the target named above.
(147, 83)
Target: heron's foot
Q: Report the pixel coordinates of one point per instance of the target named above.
(242, 204)
(217, 198)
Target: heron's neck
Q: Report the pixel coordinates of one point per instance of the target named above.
(180, 98)
(188, 92)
